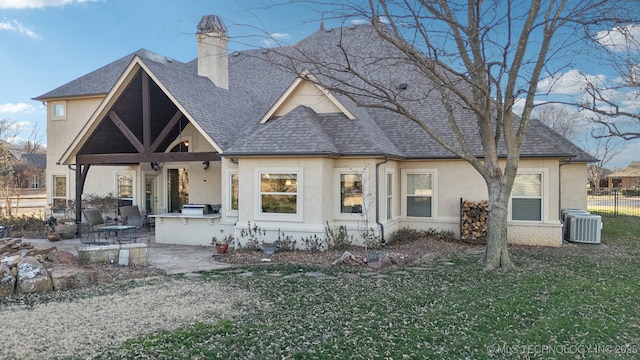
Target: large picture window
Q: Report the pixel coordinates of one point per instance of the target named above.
(59, 193)
(419, 194)
(526, 197)
(278, 193)
(351, 193)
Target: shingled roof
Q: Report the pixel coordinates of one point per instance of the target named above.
(258, 78)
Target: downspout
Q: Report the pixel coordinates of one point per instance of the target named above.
(383, 242)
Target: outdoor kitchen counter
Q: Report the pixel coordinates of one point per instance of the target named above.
(186, 229)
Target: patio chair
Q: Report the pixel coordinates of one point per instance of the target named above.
(131, 216)
(95, 220)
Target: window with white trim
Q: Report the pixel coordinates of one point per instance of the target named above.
(389, 196)
(279, 193)
(351, 193)
(59, 195)
(35, 182)
(234, 190)
(526, 197)
(419, 194)
(124, 189)
(59, 110)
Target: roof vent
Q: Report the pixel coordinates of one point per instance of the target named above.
(403, 86)
(235, 54)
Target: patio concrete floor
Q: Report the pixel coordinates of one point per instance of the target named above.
(173, 259)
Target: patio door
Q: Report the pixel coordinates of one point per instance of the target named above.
(151, 194)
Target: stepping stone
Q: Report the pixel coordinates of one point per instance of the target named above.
(292, 276)
(327, 278)
(380, 276)
(315, 274)
(368, 274)
(418, 268)
(274, 274)
(192, 275)
(400, 272)
(350, 276)
(234, 271)
(246, 274)
(447, 263)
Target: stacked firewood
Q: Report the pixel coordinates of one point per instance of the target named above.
(473, 221)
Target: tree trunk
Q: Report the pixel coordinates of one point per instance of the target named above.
(496, 251)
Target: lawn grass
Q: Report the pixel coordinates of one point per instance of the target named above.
(561, 303)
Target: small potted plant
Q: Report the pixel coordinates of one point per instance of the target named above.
(269, 248)
(222, 245)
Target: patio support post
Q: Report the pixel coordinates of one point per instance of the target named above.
(81, 176)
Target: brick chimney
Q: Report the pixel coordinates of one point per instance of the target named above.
(212, 50)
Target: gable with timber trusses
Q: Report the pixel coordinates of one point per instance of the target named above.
(136, 122)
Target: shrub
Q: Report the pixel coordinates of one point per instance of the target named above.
(407, 234)
(338, 239)
(313, 243)
(285, 242)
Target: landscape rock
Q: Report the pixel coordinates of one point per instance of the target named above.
(65, 277)
(32, 277)
(383, 263)
(398, 259)
(7, 281)
(62, 257)
(11, 260)
(347, 258)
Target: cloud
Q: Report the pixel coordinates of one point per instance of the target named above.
(38, 4)
(569, 83)
(280, 35)
(620, 38)
(10, 108)
(359, 21)
(15, 25)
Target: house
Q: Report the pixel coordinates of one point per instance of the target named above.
(628, 178)
(278, 151)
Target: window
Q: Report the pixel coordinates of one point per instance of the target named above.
(389, 196)
(124, 189)
(526, 197)
(178, 188)
(351, 193)
(234, 191)
(59, 110)
(419, 194)
(59, 193)
(35, 182)
(278, 193)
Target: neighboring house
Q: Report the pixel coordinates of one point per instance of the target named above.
(278, 151)
(29, 169)
(628, 178)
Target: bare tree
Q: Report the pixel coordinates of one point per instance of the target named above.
(478, 57)
(603, 148)
(616, 102)
(8, 129)
(560, 119)
(33, 144)
(6, 177)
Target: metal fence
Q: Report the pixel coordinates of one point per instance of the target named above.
(614, 203)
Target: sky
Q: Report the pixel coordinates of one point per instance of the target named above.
(47, 43)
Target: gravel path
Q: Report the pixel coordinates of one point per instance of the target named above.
(83, 326)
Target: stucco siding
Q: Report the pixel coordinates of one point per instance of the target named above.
(574, 186)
